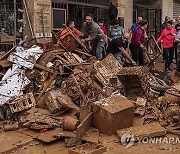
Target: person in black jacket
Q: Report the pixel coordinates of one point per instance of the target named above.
(117, 47)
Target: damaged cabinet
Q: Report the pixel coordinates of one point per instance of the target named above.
(112, 113)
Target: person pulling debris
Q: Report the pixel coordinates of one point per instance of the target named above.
(117, 47)
(69, 25)
(65, 32)
(92, 32)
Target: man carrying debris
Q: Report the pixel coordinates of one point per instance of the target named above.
(117, 48)
(69, 25)
(92, 32)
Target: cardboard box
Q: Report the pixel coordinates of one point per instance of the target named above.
(113, 113)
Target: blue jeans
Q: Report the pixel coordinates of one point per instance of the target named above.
(119, 57)
(98, 49)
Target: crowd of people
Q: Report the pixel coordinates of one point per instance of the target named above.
(115, 40)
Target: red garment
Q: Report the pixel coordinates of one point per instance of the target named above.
(138, 37)
(167, 36)
(104, 30)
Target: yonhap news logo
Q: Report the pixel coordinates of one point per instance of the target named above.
(129, 139)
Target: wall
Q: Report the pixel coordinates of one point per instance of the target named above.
(167, 8)
(125, 10)
(40, 17)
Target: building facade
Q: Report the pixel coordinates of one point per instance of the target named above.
(37, 18)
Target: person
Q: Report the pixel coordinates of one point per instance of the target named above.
(101, 24)
(177, 40)
(69, 25)
(135, 25)
(92, 32)
(164, 24)
(115, 31)
(117, 47)
(167, 38)
(137, 43)
(177, 27)
(162, 27)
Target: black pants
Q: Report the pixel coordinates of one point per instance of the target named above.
(137, 54)
(168, 56)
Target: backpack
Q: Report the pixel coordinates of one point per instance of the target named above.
(113, 11)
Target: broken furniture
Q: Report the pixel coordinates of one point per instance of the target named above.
(112, 113)
(70, 41)
(154, 51)
(107, 68)
(134, 80)
(21, 103)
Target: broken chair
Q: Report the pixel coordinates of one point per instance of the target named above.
(154, 51)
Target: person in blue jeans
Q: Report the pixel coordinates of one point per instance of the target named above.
(115, 31)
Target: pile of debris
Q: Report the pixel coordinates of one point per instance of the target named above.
(45, 88)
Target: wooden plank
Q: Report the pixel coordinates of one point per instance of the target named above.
(78, 64)
(64, 60)
(150, 130)
(83, 127)
(41, 67)
(81, 52)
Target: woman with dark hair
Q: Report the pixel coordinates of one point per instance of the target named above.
(115, 31)
(137, 43)
(167, 38)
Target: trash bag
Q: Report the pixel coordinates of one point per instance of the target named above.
(113, 11)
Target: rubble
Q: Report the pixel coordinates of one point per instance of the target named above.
(65, 93)
(88, 148)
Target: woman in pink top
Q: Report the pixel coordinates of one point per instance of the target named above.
(167, 38)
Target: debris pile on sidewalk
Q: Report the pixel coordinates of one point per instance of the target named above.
(45, 89)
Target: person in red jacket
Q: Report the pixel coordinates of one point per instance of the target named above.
(137, 43)
(167, 39)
